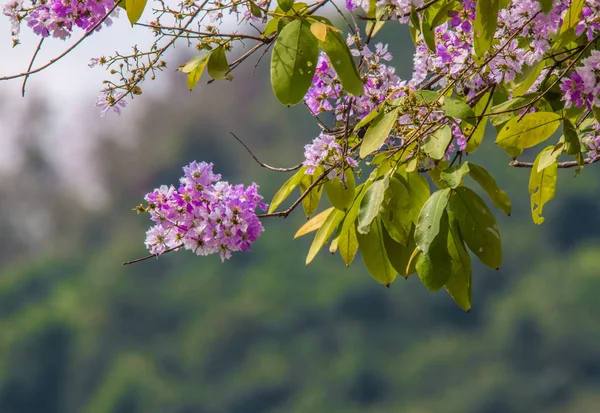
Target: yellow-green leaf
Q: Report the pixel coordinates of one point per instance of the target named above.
(476, 136)
(430, 217)
(342, 61)
(341, 194)
(286, 189)
(378, 132)
(194, 68)
(218, 67)
(435, 144)
(484, 27)
(371, 204)
(310, 203)
(532, 129)
(314, 223)
(135, 8)
(573, 15)
(324, 233)
(348, 244)
(542, 186)
(319, 30)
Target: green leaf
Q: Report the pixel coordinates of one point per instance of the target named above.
(341, 194)
(527, 78)
(377, 13)
(488, 184)
(486, 20)
(319, 30)
(542, 186)
(285, 5)
(459, 109)
(455, 108)
(378, 132)
(348, 244)
(453, 176)
(348, 230)
(428, 34)
(477, 226)
(218, 67)
(310, 203)
(324, 233)
(271, 26)
(442, 14)
(367, 119)
(293, 62)
(374, 255)
(194, 69)
(371, 204)
(135, 8)
(418, 190)
(572, 144)
(435, 144)
(476, 136)
(428, 225)
(396, 211)
(546, 5)
(342, 61)
(459, 282)
(532, 129)
(286, 189)
(255, 10)
(547, 158)
(573, 15)
(433, 267)
(436, 174)
(399, 255)
(314, 223)
(506, 110)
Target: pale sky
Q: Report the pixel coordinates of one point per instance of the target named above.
(70, 88)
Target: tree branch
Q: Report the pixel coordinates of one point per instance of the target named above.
(568, 164)
(37, 49)
(264, 165)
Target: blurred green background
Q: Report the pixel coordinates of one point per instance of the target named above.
(79, 333)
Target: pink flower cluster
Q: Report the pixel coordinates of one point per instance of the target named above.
(523, 40)
(582, 87)
(57, 17)
(204, 215)
(325, 152)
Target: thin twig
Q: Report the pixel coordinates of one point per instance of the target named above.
(147, 257)
(205, 34)
(264, 165)
(568, 164)
(37, 49)
(417, 9)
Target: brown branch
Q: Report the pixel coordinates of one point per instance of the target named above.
(147, 257)
(264, 165)
(568, 164)
(37, 49)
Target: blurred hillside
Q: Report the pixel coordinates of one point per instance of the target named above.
(261, 333)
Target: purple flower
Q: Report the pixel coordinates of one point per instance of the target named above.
(218, 218)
